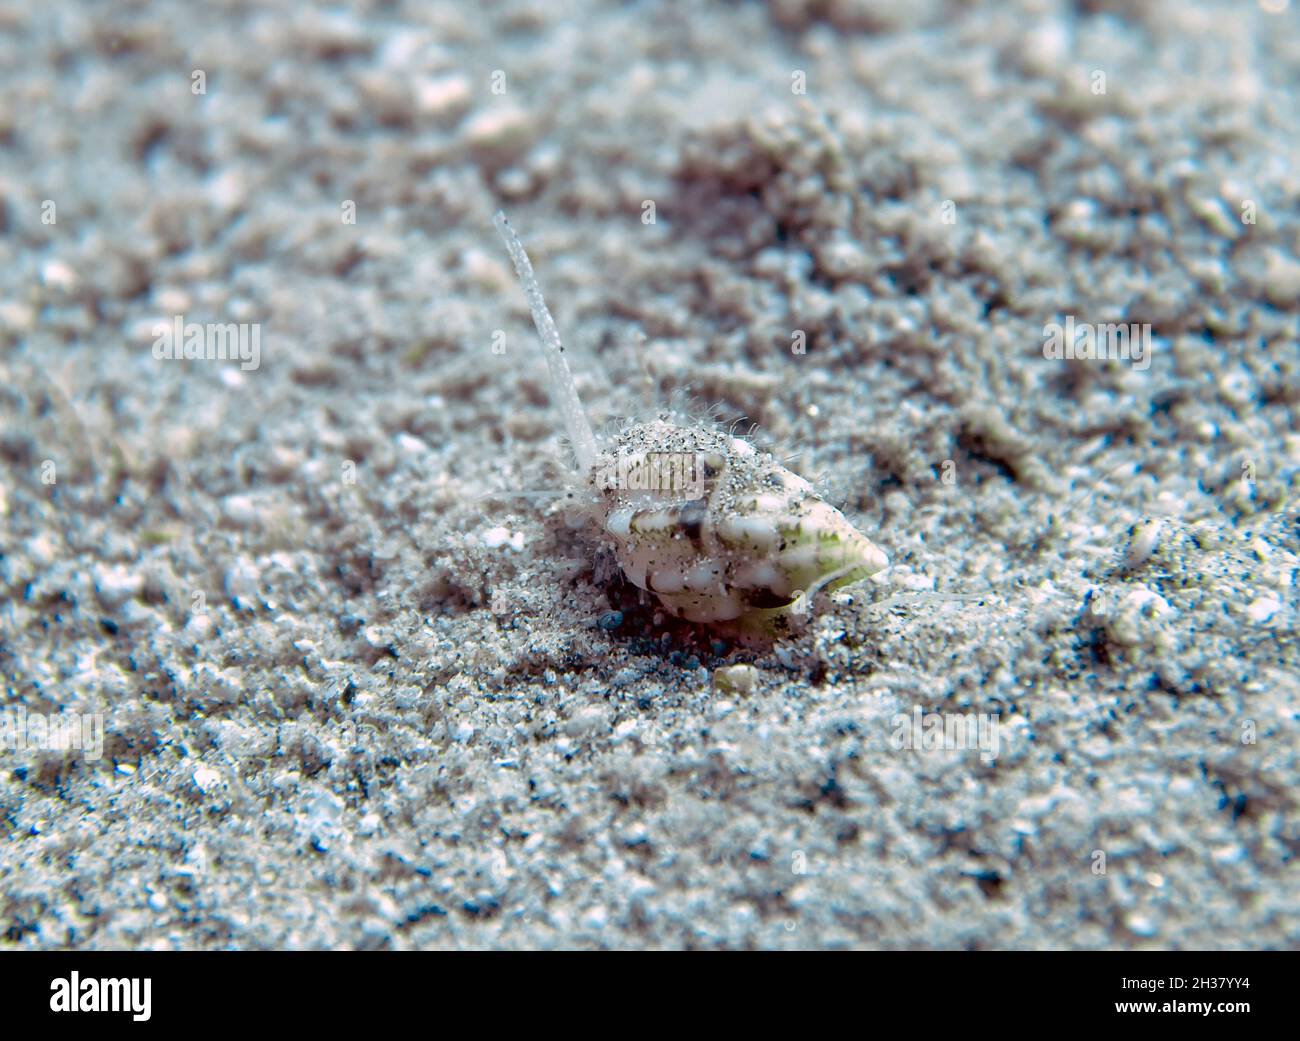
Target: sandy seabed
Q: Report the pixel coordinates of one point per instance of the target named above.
(350, 693)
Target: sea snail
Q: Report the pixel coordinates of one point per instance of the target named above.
(717, 530)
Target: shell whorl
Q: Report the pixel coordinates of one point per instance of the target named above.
(718, 530)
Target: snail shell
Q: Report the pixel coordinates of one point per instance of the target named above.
(718, 530)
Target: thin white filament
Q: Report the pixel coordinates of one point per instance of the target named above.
(562, 385)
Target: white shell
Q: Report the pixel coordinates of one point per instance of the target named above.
(739, 538)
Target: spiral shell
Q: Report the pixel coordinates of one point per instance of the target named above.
(718, 530)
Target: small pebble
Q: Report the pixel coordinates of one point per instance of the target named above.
(116, 585)
(735, 679)
(1146, 537)
(499, 133)
(495, 538)
(443, 98)
(239, 510)
(55, 274)
(1137, 618)
(206, 778)
(1262, 609)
